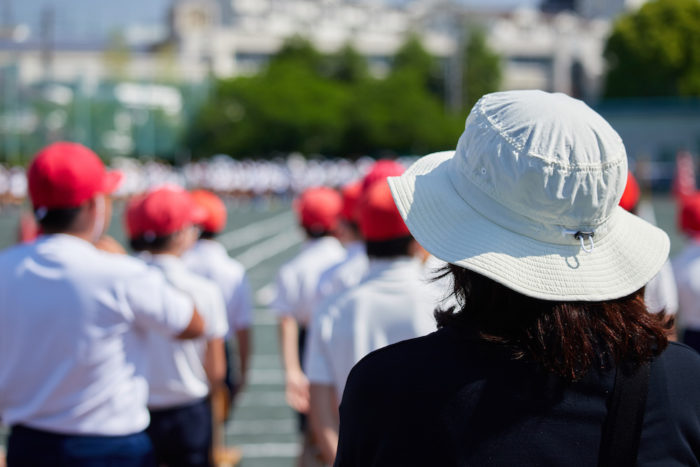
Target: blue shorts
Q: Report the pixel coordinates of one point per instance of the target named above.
(37, 448)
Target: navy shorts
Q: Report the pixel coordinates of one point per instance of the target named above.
(182, 436)
(37, 448)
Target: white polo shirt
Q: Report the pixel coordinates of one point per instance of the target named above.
(686, 269)
(297, 280)
(346, 273)
(177, 375)
(394, 302)
(208, 258)
(73, 328)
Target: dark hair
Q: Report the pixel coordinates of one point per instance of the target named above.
(57, 220)
(151, 244)
(353, 226)
(565, 338)
(207, 235)
(314, 232)
(389, 248)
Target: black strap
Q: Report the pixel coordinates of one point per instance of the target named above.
(622, 428)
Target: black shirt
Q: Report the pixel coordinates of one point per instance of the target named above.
(449, 400)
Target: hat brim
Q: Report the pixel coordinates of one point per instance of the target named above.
(112, 180)
(621, 262)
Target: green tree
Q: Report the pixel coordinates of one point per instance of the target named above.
(412, 58)
(306, 102)
(655, 51)
(400, 115)
(288, 107)
(299, 52)
(348, 66)
(483, 69)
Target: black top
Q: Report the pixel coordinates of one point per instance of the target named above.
(449, 400)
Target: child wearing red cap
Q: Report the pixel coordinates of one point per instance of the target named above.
(73, 323)
(209, 258)
(686, 268)
(393, 302)
(318, 210)
(182, 375)
(353, 267)
(660, 294)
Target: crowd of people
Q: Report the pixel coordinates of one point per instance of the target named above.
(280, 177)
(499, 304)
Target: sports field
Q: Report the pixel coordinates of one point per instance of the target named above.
(263, 235)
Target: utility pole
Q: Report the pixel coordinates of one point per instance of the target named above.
(47, 22)
(455, 69)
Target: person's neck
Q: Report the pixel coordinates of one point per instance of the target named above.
(87, 236)
(168, 252)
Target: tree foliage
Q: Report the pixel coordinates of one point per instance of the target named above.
(305, 101)
(483, 71)
(655, 51)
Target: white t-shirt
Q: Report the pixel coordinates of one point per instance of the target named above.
(686, 269)
(346, 273)
(177, 375)
(73, 327)
(297, 280)
(660, 293)
(209, 258)
(394, 302)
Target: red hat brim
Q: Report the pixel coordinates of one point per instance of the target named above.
(112, 180)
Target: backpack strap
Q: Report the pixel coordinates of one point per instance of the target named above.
(622, 428)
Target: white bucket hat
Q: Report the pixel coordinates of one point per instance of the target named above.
(530, 199)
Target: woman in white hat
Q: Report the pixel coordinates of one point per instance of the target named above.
(550, 357)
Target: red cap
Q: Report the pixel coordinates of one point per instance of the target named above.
(132, 216)
(319, 208)
(381, 170)
(215, 209)
(378, 215)
(65, 175)
(630, 196)
(162, 211)
(351, 195)
(690, 214)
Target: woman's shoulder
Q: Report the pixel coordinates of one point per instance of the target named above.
(680, 360)
(427, 359)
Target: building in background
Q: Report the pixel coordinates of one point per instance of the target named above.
(145, 80)
(557, 47)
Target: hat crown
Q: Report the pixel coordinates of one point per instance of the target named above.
(64, 175)
(547, 157)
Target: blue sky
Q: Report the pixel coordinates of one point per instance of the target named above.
(84, 20)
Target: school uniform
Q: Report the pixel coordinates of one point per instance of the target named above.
(208, 258)
(660, 294)
(393, 302)
(346, 273)
(297, 280)
(181, 423)
(686, 269)
(74, 323)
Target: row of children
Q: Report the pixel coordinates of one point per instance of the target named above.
(115, 358)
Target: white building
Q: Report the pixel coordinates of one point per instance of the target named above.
(555, 52)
